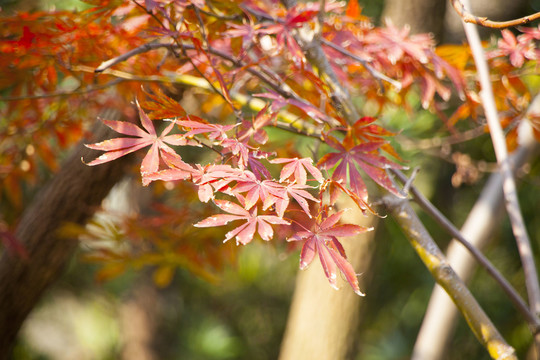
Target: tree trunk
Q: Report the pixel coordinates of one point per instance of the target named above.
(72, 196)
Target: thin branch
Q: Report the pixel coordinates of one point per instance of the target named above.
(432, 211)
(409, 182)
(482, 219)
(434, 260)
(435, 142)
(320, 17)
(81, 91)
(156, 45)
(484, 21)
(509, 185)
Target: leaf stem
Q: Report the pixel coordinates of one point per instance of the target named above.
(459, 6)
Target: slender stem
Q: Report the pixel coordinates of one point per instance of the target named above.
(435, 261)
(483, 21)
(432, 211)
(501, 152)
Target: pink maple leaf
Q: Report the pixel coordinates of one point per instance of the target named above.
(298, 193)
(245, 232)
(213, 177)
(238, 149)
(364, 156)
(517, 49)
(199, 126)
(178, 169)
(266, 191)
(118, 147)
(322, 240)
(297, 170)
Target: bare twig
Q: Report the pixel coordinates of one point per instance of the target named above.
(440, 318)
(432, 211)
(483, 21)
(408, 183)
(509, 185)
(445, 276)
(435, 142)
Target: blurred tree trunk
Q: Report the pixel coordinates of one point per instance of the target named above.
(72, 196)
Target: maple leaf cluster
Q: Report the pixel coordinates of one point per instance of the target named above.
(243, 53)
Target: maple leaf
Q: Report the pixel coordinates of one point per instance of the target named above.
(238, 149)
(293, 20)
(296, 169)
(213, 177)
(298, 193)
(254, 129)
(162, 106)
(363, 155)
(199, 126)
(267, 191)
(397, 42)
(118, 147)
(245, 232)
(517, 49)
(178, 170)
(322, 240)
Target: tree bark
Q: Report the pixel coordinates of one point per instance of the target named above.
(72, 196)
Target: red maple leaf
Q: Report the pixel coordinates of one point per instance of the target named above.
(364, 156)
(118, 147)
(322, 240)
(245, 232)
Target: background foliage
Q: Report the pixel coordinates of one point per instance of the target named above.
(235, 307)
